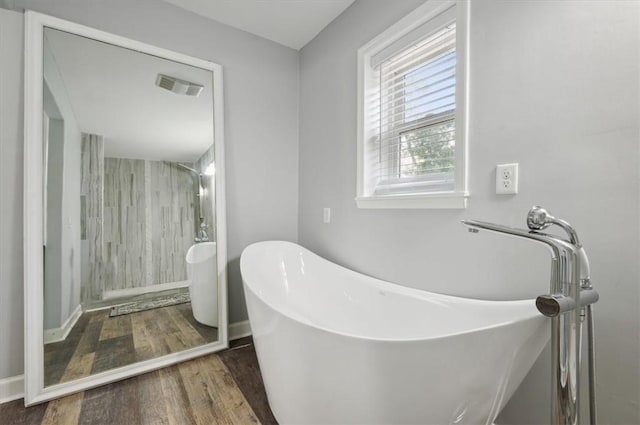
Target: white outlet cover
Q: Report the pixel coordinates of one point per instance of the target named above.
(507, 179)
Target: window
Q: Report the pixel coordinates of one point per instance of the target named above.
(412, 111)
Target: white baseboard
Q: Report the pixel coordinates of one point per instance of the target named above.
(128, 292)
(239, 330)
(60, 334)
(11, 388)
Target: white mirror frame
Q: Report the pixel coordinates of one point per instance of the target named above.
(35, 391)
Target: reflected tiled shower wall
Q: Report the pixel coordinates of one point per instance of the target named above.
(124, 224)
(208, 193)
(138, 222)
(91, 210)
(173, 199)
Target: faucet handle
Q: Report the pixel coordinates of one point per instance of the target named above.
(538, 218)
(556, 304)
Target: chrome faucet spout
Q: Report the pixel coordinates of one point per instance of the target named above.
(554, 243)
(570, 292)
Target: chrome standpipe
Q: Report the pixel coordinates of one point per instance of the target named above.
(202, 233)
(570, 293)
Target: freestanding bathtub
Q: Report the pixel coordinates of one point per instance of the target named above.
(337, 347)
(202, 273)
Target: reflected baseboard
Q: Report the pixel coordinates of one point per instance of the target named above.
(11, 388)
(60, 334)
(104, 304)
(129, 292)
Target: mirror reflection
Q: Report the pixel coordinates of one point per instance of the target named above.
(129, 227)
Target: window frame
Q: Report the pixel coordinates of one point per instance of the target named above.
(367, 82)
(398, 131)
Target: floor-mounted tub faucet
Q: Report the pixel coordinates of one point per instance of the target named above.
(571, 294)
(202, 233)
(539, 219)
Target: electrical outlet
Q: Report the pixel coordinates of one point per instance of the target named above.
(506, 179)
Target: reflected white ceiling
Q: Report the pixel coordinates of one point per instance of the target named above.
(292, 23)
(113, 93)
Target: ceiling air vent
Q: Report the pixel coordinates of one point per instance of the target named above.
(178, 86)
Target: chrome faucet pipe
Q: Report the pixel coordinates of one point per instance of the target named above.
(565, 282)
(200, 183)
(187, 168)
(561, 250)
(202, 233)
(591, 354)
(539, 219)
(551, 241)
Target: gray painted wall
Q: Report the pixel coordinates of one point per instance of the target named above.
(261, 134)
(555, 87)
(70, 224)
(11, 172)
(52, 253)
(63, 196)
(53, 245)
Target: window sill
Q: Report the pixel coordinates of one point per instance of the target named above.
(442, 200)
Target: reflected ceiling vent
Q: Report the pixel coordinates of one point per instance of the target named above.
(178, 86)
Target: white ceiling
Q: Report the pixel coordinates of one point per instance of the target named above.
(292, 23)
(113, 93)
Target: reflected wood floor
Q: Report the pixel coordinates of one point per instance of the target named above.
(98, 342)
(222, 388)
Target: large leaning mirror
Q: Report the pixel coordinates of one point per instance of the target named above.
(124, 191)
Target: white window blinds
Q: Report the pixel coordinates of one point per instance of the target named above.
(412, 111)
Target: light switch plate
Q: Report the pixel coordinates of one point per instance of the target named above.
(327, 215)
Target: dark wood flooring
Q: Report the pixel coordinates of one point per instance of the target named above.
(222, 388)
(98, 342)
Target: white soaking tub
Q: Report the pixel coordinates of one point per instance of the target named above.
(338, 347)
(202, 274)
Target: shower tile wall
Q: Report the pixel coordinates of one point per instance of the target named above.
(91, 184)
(209, 193)
(124, 224)
(137, 221)
(172, 216)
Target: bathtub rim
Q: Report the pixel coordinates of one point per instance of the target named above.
(201, 245)
(398, 289)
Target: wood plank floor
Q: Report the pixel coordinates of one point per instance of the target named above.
(222, 388)
(98, 342)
